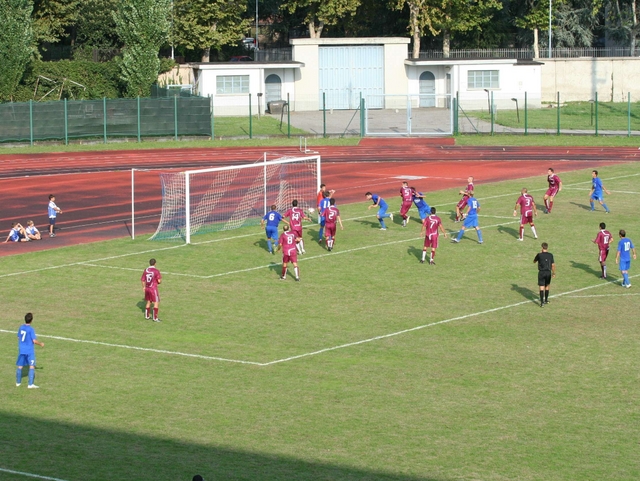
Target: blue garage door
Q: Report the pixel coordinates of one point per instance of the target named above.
(348, 71)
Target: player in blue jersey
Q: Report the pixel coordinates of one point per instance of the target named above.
(27, 351)
(596, 192)
(16, 234)
(53, 211)
(322, 206)
(423, 208)
(272, 219)
(623, 257)
(382, 208)
(471, 219)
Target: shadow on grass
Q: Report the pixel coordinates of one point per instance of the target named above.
(585, 267)
(262, 244)
(370, 223)
(141, 305)
(74, 452)
(582, 206)
(525, 292)
(414, 251)
(515, 233)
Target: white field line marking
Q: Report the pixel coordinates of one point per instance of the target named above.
(110, 221)
(308, 354)
(29, 475)
(138, 270)
(495, 216)
(605, 295)
(146, 349)
(424, 326)
(623, 192)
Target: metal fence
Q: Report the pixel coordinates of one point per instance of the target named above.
(527, 53)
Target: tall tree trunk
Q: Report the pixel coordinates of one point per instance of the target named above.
(634, 29)
(536, 46)
(446, 43)
(315, 32)
(414, 28)
(205, 54)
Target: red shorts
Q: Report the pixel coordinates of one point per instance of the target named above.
(526, 219)
(604, 253)
(330, 230)
(297, 231)
(462, 202)
(431, 241)
(151, 294)
(551, 192)
(405, 207)
(292, 257)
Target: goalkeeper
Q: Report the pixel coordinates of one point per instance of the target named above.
(272, 219)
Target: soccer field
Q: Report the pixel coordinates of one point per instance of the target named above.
(373, 367)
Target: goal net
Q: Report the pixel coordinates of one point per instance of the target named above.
(224, 198)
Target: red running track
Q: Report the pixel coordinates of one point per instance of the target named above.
(93, 189)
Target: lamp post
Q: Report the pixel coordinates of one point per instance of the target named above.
(488, 100)
(550, 3)
(517, 109)
(257, 33)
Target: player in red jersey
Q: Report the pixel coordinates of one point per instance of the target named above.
(468, 192)
(406, 193)
(603, 239)
(331, 215)
(288, 242)
(296, 215)
(430, 227)
(151, 277)
(527, 211)
(555, 186)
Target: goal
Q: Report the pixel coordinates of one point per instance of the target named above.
(223, 198)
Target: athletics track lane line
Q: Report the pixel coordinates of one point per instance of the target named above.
(29, 475)
(320, 351)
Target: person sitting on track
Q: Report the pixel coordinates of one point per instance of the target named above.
(17, 233)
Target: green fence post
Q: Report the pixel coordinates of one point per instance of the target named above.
(66, 124)
(104, 116)
(526, 119)
(492, 109)
(361, 116)
(250, 119)
(288, 117)
(558, 117)
(628, 114)
(139, 119)
(212, 118)
(596, 104)
(455, 119)
(30, 122)
(175, 117)
(324, 114)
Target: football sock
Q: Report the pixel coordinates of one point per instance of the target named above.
(269, 245)
(479, 235)
(593, 207)
(18, 375)
(284, 271)
(533, 229)
(155, 312)
(605, 207)
(604, 271)
(297, 272)
(147, 312)
(298, 248)
(546, 295)
(626, 279)
(433, 255)
(382, 223)
(550, 205)
(330, 242)
(521, 231)
(424, 255)
(460, 234)
(546, 204)
(32, 376)
(320, 233)
(541, 297)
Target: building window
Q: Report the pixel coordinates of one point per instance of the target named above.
(483, 79)
(232, 84)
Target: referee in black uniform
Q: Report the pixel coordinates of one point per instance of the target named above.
(546, 270)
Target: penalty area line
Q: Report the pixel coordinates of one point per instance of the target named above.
(29, 475)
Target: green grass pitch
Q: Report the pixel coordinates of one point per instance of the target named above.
(488, 387)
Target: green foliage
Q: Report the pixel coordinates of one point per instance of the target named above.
(52, 17)
(100, 79)
(143, 26)
(95, 25)
(16, 44)
(208, 24)
(318, 13)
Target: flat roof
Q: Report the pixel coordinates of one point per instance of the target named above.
(350, 41)
(245, 65)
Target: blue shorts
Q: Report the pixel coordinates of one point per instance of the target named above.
(26, 360)
(625, 265)
(322, 221)
(52, 220)
(471, 221)
(597, 197)
(272, 232)
(424, 213)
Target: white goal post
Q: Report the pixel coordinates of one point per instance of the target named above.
(222, 198)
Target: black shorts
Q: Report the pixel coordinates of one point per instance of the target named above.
(544, 278)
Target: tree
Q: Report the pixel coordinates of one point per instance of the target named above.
(535, 19)
(143, 26)
(16, 44)
(575, 22)
(319, 13)
(51, 18)
(623, 25)
(206, 24)
(95, 26)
